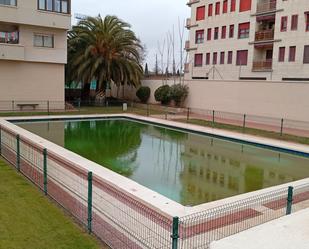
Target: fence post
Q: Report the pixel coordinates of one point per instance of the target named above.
(18, 152)
(244, 123)
(45, 170)
(13, 105)
(175, 234)
(188, 114)
(281, 127)
(213, 117)
(0, 140)
(89, 202)
(48, 107)
(289, 201)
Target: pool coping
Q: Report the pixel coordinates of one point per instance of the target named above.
(159, 202)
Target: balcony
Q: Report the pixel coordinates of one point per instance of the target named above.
(192, 2)
(264, 35)
(12, 52)
(265, 6)
(262, 66)
(187, 46)
(189, 23)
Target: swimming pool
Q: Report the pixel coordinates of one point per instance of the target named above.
(187, 167)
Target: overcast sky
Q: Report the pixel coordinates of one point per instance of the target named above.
(151, 20)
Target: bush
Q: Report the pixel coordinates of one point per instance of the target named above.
(179, 93)
(143, 93)
(163, 94)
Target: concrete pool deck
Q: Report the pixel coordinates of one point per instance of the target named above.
(161, 203)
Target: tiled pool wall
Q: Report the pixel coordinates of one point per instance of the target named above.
(125, 214)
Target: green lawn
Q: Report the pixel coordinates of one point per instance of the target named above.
(29, 220)
(251, 131)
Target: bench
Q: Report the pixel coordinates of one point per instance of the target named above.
(21, 106)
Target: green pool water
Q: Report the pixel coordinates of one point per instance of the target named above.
(186, 167)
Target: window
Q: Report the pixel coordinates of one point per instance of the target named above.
(200, 13)
(284, 23)
(10, 37)
(207, 58)
(46, 41)
(281, 54)
(209, 34)
(242, 57)
(223, 32)
(306, 54)
(214, 58)
(222, 55)
(60, 6)
(199, 36)
(198, 60)
(224, 6)
(307, 21)
(230, 57)
(244, 5)
(210, 7)
(243, 30)
(231, 33)
(217, 8)
(216, 33)
(8, 2)
(233, 5)
(292, 53)
(294, 23)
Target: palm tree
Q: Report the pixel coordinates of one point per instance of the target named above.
(104, 49)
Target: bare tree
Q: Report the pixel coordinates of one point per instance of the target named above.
(181, 31)
(161, 50)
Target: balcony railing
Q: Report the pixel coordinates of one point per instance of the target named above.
(262, 65)
(266, 6)
(264, 35)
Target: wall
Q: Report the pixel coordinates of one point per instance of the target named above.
(35, 82)
(271, 99)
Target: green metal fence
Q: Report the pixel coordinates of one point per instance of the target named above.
(122, 221)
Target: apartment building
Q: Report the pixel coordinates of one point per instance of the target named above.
(33, 52)
(248, 40)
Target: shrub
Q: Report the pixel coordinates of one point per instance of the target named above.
(179, 93)
(143, 93)
(163, 94)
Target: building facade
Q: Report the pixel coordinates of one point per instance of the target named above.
(248, 40)
(33, 52)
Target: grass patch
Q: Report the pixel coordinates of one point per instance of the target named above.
(30, 220)
(251, 131)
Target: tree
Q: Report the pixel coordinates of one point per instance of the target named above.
(146, 70)
(156, 68)
(104, 49)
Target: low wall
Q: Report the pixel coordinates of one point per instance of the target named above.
(289, 100)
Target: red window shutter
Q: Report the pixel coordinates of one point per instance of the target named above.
(306, 54)
(223, 32)
(307, 21)
(233, 5)
(242, 57)
(230, 57)
(210, 9)
(200, 13)
(225, 6)
(209, 34)
(214, 58)
(281, 54)
(217, 8)
(292, 53)
(245, 5)
(284, 23)
(216, 34)
(198, 60)
(207, 58)
(243, 30)
(245, 25)
(231, 33)
(222, 55)
(294, 23)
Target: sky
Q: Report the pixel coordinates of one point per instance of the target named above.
(150, 20)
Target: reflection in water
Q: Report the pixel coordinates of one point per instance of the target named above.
(188, 168)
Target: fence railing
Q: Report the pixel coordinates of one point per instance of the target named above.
(122, 221)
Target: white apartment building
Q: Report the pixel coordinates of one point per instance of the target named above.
(33, 51)
(248, 40)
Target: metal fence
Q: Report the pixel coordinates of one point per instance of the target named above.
(123, 221)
